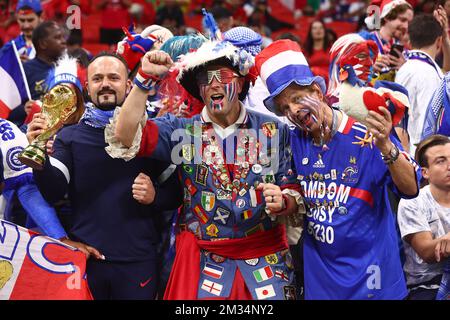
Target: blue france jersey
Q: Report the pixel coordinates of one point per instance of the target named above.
(351, 244)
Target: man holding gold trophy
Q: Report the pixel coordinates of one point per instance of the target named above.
(63, 104)
(111, 222)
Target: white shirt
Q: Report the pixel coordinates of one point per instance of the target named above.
(421, 80)
(422, 214)
(12, 143)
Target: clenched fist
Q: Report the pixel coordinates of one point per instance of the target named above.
(156, 63)
(273, 196)
(143, 189)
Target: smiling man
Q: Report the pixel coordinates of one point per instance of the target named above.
(28, 14)
(394, 16)
(235, 165)
(112, 221)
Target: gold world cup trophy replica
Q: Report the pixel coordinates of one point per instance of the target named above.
(60, 105)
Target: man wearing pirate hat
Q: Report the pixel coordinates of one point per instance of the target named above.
(237, 174)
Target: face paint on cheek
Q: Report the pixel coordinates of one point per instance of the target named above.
(230, 91)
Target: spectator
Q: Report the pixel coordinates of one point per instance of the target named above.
(20, 186)
(48, 39)
(28, 17)
(257, 22)
(112, 215)
(236, 7)
(224, 18)
(395, 16)
(425, 221)
(421, 75)
(142, 13)
(316, 48)
(170, 16)
(115, 15)
(290, 36)
(238, 263)
(359, 230)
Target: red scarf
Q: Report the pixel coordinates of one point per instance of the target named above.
(185, 275)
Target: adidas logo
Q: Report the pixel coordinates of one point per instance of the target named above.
(319, 164)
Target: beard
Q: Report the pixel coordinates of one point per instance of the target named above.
(106, 105)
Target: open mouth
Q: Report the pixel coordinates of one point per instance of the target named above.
(306, 120)
(217, 98)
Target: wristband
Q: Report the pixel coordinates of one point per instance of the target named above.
(145, 81)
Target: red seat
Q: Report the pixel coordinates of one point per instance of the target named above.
(342, 27)
(95, 48)
(194, 21)
(91, 28)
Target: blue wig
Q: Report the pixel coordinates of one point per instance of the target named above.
(180, 45)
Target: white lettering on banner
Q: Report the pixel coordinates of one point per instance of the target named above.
(9, 241)
(36, 248)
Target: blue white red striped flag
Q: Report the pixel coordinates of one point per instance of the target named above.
(14, 84)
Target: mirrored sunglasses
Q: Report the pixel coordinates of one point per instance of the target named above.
(224, 76)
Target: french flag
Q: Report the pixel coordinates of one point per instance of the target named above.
(14, 83)
(213, 270)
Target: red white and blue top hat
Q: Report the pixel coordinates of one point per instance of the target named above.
(281, 64)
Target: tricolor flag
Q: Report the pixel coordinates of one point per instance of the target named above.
(265, 292)
(14, 90)
(201, 214)
(213, 270)
(36, 267)
(212, 287)
(247, 214)
(263, 274)
(255, 197)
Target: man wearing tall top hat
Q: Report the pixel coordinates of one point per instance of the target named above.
(235, 165)
(351, 246)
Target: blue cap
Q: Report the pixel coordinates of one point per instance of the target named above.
(35, 5)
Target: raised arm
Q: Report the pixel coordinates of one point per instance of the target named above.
(154, 65)
(402, 171)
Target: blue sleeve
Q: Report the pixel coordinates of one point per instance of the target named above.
(53, 180)
(286, 176)
(163, 137)
(2, 178)
(382, 174)
(40, 211)
(169, 194)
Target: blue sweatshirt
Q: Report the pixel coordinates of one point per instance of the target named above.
(105, 214)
